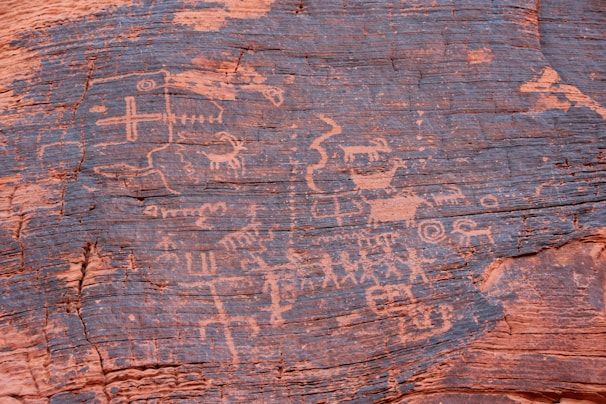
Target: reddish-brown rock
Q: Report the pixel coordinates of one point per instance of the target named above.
(302, 201)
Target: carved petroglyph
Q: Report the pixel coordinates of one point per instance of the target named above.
(371, 151)
(424, 322)
(416, 320)
(208, 263)
(415, 263)
(226, 322)
(167, 244)
(101, 109)
(379, 180)
(548, 85)
(368, 273)
(248, 236)
(230, 159)
(240, 239)
(390, 259)
(196, 119)
(402, 207)
(374, 240)
(431, 231)
(224, 79)
(203, 263)
(146, 84)
(451, 196)
(271, 286)
(329, 274)
(168, 259)
(297, 262)
(130, 119)
(120, 169)
(390, 300)
(539, 189)
(467, 229)
(337, 237)
(172, 124)
(59, 145)
(363, 238)
(349, 266)
(201, 212)
(277, 308)
(274, 94)
(331, 207)
(490, 201)
(317, 146)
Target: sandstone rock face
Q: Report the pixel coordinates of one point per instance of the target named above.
(303, 201)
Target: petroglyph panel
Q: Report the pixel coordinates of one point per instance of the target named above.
(235, 201)
(170, 128)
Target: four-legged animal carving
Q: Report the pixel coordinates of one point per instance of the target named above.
(394, 209)
(467, 229)
(231, 159)
(452, 195)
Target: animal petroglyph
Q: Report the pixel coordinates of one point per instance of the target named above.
(377, 181)
(467, 229)
(372, 151)
(452, 195)
(247, 237)
(402, 207)
(201, 212)
(230, 159)
(317, 145)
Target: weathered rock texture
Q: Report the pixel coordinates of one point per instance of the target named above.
(302, 201)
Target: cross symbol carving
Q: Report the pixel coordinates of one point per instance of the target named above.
(130, 119)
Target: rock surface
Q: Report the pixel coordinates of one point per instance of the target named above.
(303, 201)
